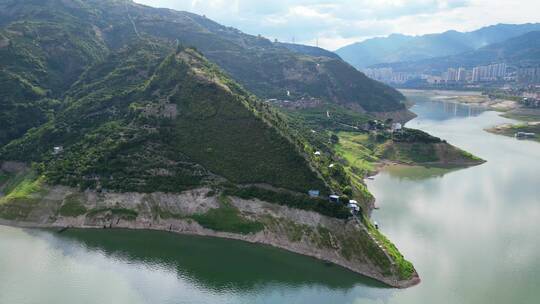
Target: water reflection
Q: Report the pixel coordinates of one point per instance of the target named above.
(433, 107)
(216, 264)
(160, 267)
(472, 234)
(418, 173)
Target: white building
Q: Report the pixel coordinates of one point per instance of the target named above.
(492, 72)
(396, 127)
(353, 206)
(462, 75)
(58, 150)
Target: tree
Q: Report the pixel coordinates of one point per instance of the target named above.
(347, 190)
(334, 139)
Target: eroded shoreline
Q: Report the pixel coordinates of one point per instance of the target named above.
(344, 243)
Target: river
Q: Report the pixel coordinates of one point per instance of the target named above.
(473, 235)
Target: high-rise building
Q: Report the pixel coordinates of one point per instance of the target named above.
(462, 75)
(451, 75)
(490, 72)
(476, 74)
(529, 75)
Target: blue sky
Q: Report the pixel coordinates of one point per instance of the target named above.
(341, 22)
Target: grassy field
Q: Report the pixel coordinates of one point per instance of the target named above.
(72, 207)
(22, 186)
(20, 192)
(410, 147)
(227, 218)
(353, 148)
(358, 160)
(523, 114)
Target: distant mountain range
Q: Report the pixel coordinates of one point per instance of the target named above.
(403, 48)
(521, 51)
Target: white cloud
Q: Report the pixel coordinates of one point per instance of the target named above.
(340, 22)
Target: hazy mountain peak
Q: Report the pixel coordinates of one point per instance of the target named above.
(395, 48)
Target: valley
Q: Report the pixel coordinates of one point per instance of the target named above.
(151, 119)
(157, 156)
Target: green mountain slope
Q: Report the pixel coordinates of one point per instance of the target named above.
(269, 70)
(138, 122)
(39, 60)
(45, 46)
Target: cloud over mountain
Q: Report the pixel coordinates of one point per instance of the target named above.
(337, 23)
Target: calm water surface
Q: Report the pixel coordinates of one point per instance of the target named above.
(473, 235)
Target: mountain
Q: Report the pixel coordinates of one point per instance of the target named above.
(142, 132)
(39, 59)
(400, 48)
(519, 51)
(157, 137)
(45, 46)
(142, 121)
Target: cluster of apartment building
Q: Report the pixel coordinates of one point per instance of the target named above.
(455, 75)
(487, 73)
(497, 72)
(528, 75)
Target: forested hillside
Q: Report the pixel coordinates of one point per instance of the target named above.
(46, 45)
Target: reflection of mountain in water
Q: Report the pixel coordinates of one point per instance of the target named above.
(437, 110)
(211, 263)
(417, 173)
(431, 107)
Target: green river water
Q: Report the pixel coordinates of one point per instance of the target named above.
(473, 235)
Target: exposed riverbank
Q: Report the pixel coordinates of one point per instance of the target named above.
(469, 98)
(364, 270)
(347, 243)
(529, 117)
(512, 129)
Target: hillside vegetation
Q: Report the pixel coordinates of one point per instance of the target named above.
(180, 124)
(39, 60)
(512, 129)
(410, 146)
(45, 46)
